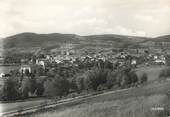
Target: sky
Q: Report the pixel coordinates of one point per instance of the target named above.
(85, 17)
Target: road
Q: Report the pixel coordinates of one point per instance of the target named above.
(6, 107)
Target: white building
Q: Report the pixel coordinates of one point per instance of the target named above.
(133, 62)
(24, 68)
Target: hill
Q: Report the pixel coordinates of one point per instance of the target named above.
(158, 42)
(28, 40)
(165, 38)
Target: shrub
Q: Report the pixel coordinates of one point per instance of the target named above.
(133, 77)
(49, 90)
(95, 77)
(101, 87)
(10, 90)
(25, 87)
(126, 77)
(80, 82)
(144, 78)
(111, 79)
(40, 89)
(61, 86)
(165, 73)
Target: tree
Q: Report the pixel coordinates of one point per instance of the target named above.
(165, 73)
(111, 79)
(49, 89)
(80, 82)
(25, 87)
(144, 78)
(33, 84)
(133, 77)
(125, 77)
(95, 77)
(10, 90)
(40, 89)
(57, 86)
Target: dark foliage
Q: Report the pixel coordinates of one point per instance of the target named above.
(10, 90)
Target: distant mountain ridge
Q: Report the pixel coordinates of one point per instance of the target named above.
(165, 38)
(33, 39)
(29, 40)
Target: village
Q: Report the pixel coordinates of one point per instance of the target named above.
(68, 57)
(70, 64)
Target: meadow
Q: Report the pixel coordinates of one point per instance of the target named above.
(151, 71)
(135, 102)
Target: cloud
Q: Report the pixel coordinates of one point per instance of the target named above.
(145, 18)
(130, 17)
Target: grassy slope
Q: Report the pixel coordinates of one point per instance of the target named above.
(165, 38)
(152, 72)
(133, 102)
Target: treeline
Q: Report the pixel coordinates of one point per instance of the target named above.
(15, 58)
(55, 84)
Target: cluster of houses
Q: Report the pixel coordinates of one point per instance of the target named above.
(121, 58)
(70, 58)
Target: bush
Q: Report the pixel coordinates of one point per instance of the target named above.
(126, 77)
(144, 78)
(101, 88)
(165, 73)
(10, 90)
(111, 79)
(95, 77)
(49, 89)
(25, 87)
(54, 87)
(133, 77)
(40, 89)
(80, 82)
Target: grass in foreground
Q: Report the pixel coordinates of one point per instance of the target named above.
(131, 107)
(135, 102)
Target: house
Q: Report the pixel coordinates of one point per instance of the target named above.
(159, 59)
(133, 62)
(2, 75)
(155, 57)
(41, 62)
(25, 68)
(58, 61)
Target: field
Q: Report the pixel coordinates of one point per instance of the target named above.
(151, 71)
(130, 107)
(135, 102)
(7, 69)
